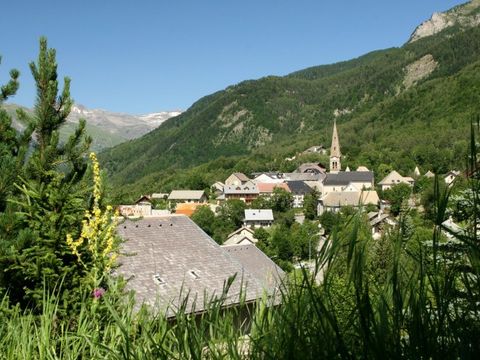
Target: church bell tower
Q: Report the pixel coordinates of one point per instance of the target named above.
(335, 154)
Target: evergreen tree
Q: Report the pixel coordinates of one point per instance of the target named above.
(50, 195)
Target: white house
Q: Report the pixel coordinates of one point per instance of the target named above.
(242, 236)
(258, 217)
(335, 200)
(394, 178)
(237, 179)
(187, 196)
(339, 181)
(451, 176)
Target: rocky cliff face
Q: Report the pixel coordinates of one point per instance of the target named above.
(466, 15)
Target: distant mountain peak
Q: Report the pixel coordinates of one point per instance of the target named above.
(465, 15)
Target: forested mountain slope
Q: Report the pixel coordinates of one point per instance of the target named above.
(397, 107)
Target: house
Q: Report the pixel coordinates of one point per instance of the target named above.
(137, 210)
(451, 176)
(335, 200)
(299, 189)
(379, 221)
(452, 230)
(267, 189)
(394, 178)
(429, 174)
(187, 196)
(165, 259)
(258, 217)
(312, 168)
(313, 180)
(268, 177)
(362, 168)
(144, 200)
(217, 188)
(247, 193)
(256, 262)
(237, 179)
(242, 236)
(318, 149)
(340, 180)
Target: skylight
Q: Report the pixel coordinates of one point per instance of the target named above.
(158, 280)
(194, 275)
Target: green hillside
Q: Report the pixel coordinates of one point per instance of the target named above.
(397, 107)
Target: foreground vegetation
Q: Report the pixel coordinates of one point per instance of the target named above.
(402, 298)
(414, 293)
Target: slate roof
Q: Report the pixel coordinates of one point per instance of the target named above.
(299, 187)
(186, 195)
(254, 261)
(304, 176)
(258, 215)
(166, 257)
(346, 177)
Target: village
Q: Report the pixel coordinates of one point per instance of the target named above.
(173, 252)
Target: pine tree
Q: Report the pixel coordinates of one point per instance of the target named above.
(49, 199)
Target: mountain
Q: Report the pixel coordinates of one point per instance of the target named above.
(106, 128)
(462, 16)
(397, 107)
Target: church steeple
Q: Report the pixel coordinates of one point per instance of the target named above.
(335, 154)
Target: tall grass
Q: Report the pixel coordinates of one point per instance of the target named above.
(425, 305)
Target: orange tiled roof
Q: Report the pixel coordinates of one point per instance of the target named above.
(269, 187)
(187, 209)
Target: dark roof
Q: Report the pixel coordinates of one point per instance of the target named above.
(346, 177)
(299, 187)
(167, 257)
(256, 262)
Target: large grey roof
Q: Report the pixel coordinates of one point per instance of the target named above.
(185, 259)
(346, 177)
(256, 262)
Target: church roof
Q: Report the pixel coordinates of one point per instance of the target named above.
(347, 177)
(335, 148)
(299, 187)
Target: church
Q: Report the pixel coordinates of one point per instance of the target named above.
(345, 188)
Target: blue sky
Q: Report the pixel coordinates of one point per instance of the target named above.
(146, 56)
